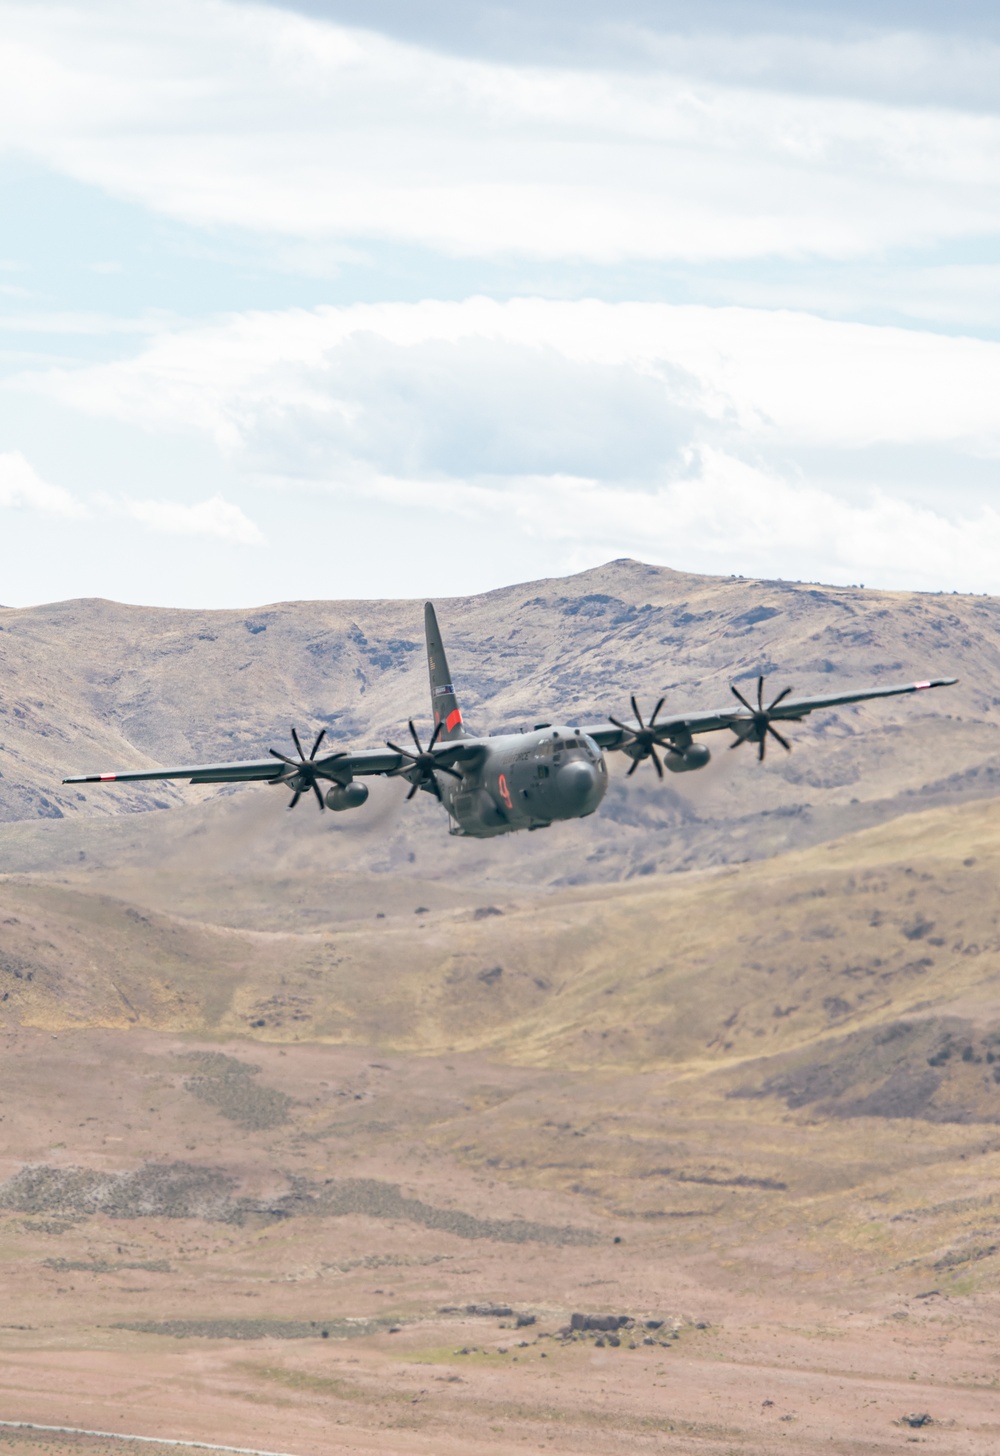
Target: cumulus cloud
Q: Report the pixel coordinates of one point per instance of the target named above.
(22, 488)
(285, 125)
(215, 517)
(726, 514)
(535, 386)
(723, 439)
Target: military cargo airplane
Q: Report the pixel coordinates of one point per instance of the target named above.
(494, 785)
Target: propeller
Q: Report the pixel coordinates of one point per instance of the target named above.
(760, 726)
(646, 741)
(424, 763)
(302, 773)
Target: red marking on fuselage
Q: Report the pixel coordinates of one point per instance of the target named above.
(453, 719)
(504, 791)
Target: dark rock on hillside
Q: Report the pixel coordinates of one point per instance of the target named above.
(936, 1069)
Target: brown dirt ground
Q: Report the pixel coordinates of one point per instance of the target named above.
(775, 1085)
(795, 1319)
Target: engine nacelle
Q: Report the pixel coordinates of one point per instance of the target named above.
(696, 755)
(346, 796)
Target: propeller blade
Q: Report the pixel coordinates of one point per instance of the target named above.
(635, 710)
(295, 798)
(656, 711)
(741, 737)
(783, 741)
(413, 735)
(403, 753)
(438, 730)
(435, 788)
(635, 764)
(761, 747)
(412, 792)
(783, 694)
(737, 694)
(319, 739)
(298, 745)
(623, 726)
(317, 792)
(290, 761)
(656, 762)
(760, 694)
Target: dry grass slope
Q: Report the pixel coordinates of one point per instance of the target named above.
(269, 1074)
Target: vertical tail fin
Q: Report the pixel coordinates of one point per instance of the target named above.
(444, 704)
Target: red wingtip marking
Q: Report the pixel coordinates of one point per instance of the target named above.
(918, 686)
(454, 718)
(105, 777)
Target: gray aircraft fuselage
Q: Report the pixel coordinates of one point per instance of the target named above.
(524, 781)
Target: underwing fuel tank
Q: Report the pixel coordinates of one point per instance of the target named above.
(346, 796)
(695, 756)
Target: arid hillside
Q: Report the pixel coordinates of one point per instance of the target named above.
(749, 1114)
(332, 1132)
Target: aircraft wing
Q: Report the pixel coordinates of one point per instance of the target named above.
(795, 709)
(254, 770)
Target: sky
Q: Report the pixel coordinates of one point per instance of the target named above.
(380, 298)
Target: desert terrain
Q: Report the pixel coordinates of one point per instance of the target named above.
(677, 1129)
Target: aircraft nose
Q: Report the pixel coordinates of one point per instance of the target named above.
(577, 785)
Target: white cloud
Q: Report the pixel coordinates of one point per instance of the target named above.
(728, 516)
(449, 386)
(215, 517)
(290, 126)
(22, 488)
(720, 439)
(957, 297)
